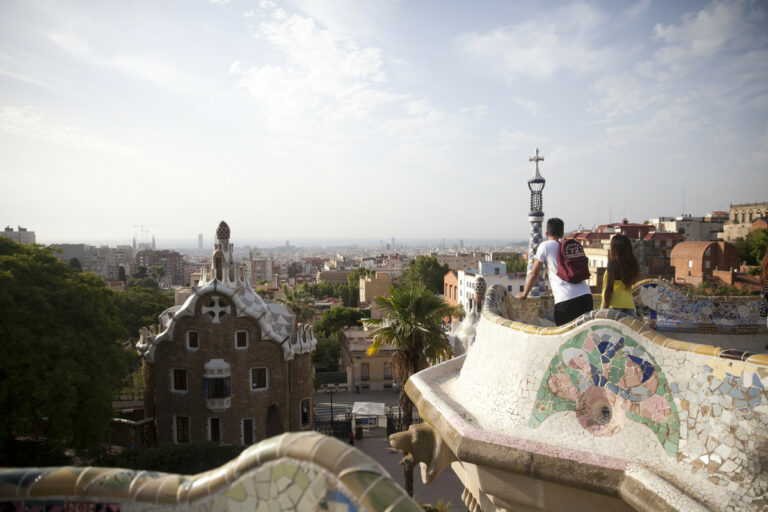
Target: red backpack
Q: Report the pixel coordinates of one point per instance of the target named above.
(572, 263)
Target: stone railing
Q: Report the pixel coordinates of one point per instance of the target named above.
(296, 471)
(668, 308)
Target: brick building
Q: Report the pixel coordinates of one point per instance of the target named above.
(171, 261)
(227, 366)
(451, 287)
(696, 262)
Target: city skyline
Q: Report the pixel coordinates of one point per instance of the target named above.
(364, 120)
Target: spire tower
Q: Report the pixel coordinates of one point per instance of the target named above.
(535, 218)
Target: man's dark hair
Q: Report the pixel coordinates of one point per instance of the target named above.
(555, 227)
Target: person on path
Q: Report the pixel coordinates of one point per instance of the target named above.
(622, 272)
(351, 437)
(571, 299)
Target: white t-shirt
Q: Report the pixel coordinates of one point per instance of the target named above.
(562, 290)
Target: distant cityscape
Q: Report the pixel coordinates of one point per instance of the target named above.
(292, 262)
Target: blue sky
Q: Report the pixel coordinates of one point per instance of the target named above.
(371, 119)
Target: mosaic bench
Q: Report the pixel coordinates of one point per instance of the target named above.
(293, 471)
(604, 412)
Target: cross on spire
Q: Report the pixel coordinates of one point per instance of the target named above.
(536, 159)
(216, 310)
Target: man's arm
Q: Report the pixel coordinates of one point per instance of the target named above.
(532, 278)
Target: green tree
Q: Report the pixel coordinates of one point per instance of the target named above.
(514, 263)
(412, 324)
(139, 307)
(141, 277)
(426, 270)
(328, 351)
(75, 264)
(335, 319)
(744, 250)
(121, 274)
(718, 289)
(299, 301)
(758, 241)
(62, 360)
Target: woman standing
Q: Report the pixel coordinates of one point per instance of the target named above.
(622, 272)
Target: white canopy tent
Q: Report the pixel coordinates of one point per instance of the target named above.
(368, 409)
(368, 414)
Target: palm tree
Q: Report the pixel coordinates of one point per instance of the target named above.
(413, 325)
(299, 302)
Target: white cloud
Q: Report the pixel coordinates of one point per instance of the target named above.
(136, 66)
(72, 44)
(623, 94)
(705, 33)
(637, 10)
(543, 47)
(317, 73)
(28, 122)
(220, 2)
(234, 68)
(529, 105)
(147, 69)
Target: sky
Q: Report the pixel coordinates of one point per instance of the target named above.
(364, 119)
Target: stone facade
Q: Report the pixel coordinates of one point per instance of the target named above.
(227, 366)
(740, 217)
(364, 371)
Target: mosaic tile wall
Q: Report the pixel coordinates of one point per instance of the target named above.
(608, 378)
(609, 386)
(292, 472)
(666, 308)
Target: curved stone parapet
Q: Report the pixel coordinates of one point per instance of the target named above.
(295, 471)
(601, 412)
(668, 308)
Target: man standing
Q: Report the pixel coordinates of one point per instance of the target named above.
(571, 299)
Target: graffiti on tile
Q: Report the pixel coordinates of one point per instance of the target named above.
(607, 378)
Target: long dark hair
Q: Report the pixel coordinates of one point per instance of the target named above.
(764, 269)
(626, 263)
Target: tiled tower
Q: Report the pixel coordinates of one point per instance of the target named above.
(535, 217)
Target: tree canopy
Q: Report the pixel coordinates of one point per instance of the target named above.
(752, 248)
(299, 302)
(62, 359)
(140, 306)
(514, 263)
(327, 332)
(758, 242)
(335, 319)
(426, 270)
